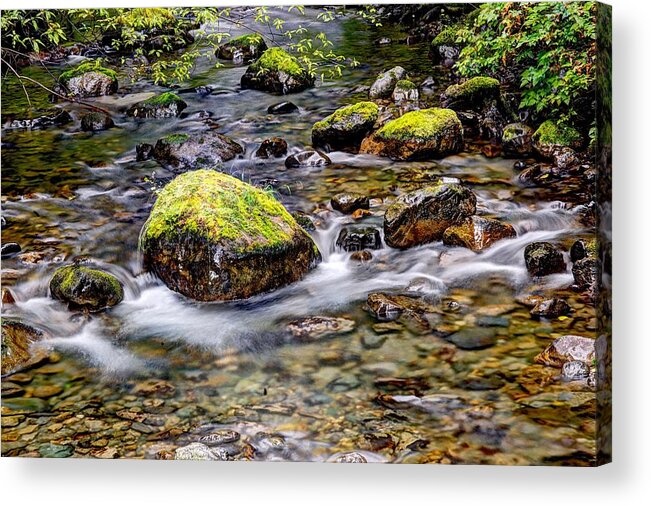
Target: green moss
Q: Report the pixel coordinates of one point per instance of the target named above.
(250, 39)
(556, 134)
(472, 87)
(276, 59)
(166, 98)
(367, 110)
(88, 66)
(217, 207)
(419, 125)
(406, 84)
(446, 37)
(176, 138)
(66, 279)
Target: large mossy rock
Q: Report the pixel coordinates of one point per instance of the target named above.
(213, 237)
(471, 94)
(428, 133)
(386, 82)
(477, 233)
(423, 215)
(86, 288)
(17, 349)
(89, 80)
(551, 138)
(346, 127)
(182, 152)
(165, 105)
(243, 49)
(277, 71)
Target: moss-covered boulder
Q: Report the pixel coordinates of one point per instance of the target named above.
(277, 71)
(243, 49)
(89, 79)
(386, 82)
(405, 92)
(96, 121)
(346, 127)
(213, 237)
(551, 137)
(543, 258)
(428, 133)
(516, 140)
(18, 352)
(183, 152)
(445, 49)
(423, 215)
(86, 288)
(471, 94)
(477, 233)
(165, 105)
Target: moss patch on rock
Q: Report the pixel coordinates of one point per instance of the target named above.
(368, 111)
(86, 288)
(276, 59)
(346, 127)
(446, 37)
(85, 67)
(166, 98)
(557, 134)
(419, 125)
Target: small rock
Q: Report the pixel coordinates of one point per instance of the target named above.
(10, 248)
(197, 451)
(273, 147)
(282, 108)
(386, 82)
(474, 338)
(477, 233)
(350, 458)
(551, 308)
(543, 258)
(144, 152)
(361, 256)
(567, 349)
(307, 158)
(349, 202)
(165, 105)
(51, 450)
(315, 328)
(220, 437)
(587, 274)
(96, 121)
(516, 140)
(575, 371)
(18, 351)
(359, 238)
(7, 296)
(86, 288)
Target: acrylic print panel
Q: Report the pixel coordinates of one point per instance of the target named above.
(343, 234)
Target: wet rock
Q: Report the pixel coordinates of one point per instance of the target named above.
(243, 49)
(307, 158)
(349, 201)
(46, 391)
(474, 338)
(575, 371)
(389, 307)
(405, 92)
(344, 383)
(359, 214)
(346, 127)
(7, 296)
(516, 140)
(386, 82)
(220, 437)
(587, 274)
(55, 451)
(56, 117)
(423, 216)
(477, 233)
(96, 121)
(155, 388)
(538, 175)
(315, 328)
(350, 458)
(582, 249)
(565, 158)
(428, 133)
(304, 221)
(182, 152)
(551, 308)
(361, 256)
(520, 165)
(472, 94)
(383, 41)
(24, 405)
(543, 258)
(551, 137)
(88, 80)
(144, 152)
(273, 147)
(165, 105)
(9, 249)
(282, 108)
(211, 237)
(373, 341)
(17, 350)
(86, 288)
(276, 71)
(198, 451)
(567, 349)
(359, 238)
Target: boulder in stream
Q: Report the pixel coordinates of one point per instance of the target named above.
(356, 238)
(315, 328)
(386, 82)
(587, 274)
(277, 71)
(551, 137)
(165, 105)
(346, 127)
(516, 140)
(89, 79)
(86, 288)
(472, 94)
(405, 92)
(213, 237)
(347, 202)
(242, 49)
(543, 258)
(273, 147)
(477, 233)
(17, 350)
(183, 152)
(308, 158)
(423, 215)
(282, 108)
(428, 133)
(41, 119)
(96, 121)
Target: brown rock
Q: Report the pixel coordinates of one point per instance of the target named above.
(477, 233)
(566, 349)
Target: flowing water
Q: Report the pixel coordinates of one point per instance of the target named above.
(159, 371)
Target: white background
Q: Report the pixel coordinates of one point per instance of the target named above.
(627, 481)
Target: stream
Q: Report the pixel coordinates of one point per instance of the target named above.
(159, 371)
